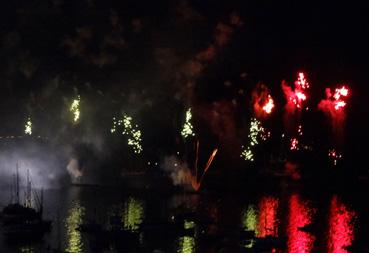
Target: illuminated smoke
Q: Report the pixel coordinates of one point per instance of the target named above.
(181, 174)
(130, 130)
(187, 129)
(74, 170)
(262, 101)
(75, 110)
(195, 66)
(28, 127)
(178, 171)
(334, 107)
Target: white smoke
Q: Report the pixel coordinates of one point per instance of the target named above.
(178, 171)
(74, 170)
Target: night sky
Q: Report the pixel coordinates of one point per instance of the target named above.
(154, 59)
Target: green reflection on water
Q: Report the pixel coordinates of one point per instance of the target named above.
(27, 249)
(73, 220)
(133, 214)
(186, 244)
(250, 218)
(250, 223)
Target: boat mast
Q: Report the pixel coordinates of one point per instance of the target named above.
(17, 185)
(29, 191)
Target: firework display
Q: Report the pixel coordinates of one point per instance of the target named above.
(257, 133)
(187, 129)
(75, 109)
(263, 103)
(28, 127)
(133, 133)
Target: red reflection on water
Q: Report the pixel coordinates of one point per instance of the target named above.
(299, 216)
(341, 228)
(268, 225)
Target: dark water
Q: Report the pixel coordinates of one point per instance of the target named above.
(332, 221)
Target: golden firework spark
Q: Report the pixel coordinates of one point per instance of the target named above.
(28, 127)
(187, 129)
(75, 110)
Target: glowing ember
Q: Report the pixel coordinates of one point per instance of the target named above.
(299, 130)
(268, 107)
(28, 127)
(334, 156)
(187, 129)
(294, 144)
(74, 108)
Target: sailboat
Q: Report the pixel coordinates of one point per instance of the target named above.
(23, 221)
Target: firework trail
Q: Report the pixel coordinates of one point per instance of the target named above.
(182, 175)
(195, 182)
(334, 107)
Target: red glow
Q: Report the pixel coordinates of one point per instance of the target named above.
(341, 229)
(299, 216)
(334, 107)
(263, 102)
(268, 225)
